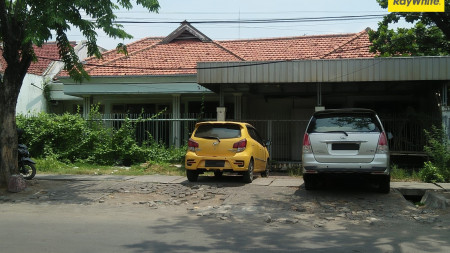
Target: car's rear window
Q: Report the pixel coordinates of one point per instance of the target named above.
(221, 131)
(344, 122)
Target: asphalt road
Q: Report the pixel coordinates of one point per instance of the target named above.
(225, 216)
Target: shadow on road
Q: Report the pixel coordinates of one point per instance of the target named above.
(59, 192)
(209, 235)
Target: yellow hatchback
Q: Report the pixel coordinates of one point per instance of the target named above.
(222, 146)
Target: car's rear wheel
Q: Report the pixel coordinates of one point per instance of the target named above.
(384, 184)
(218, 173)
(310, 181)
(248, 175)
(192, 175)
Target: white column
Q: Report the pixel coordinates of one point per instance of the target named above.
(86, 106)
(176, 126)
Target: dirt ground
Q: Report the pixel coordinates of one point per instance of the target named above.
(230, 200)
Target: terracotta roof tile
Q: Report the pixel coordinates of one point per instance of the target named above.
(45, 56)
(178, 57)
(295, 48)
(355, 47)
(150, 56)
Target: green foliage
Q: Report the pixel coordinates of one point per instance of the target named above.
(37, 21)
(28, 23)
(158, 154)
(70, 138)
(50, 164)
(399, 174)
(430, 34)
(431, 174)
(437, 148)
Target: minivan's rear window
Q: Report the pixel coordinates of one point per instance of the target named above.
(221, 131)
(344, 122)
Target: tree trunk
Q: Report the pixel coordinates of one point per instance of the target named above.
(17, 51)
(9, 90)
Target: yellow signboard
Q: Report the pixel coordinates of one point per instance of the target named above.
(416, 5)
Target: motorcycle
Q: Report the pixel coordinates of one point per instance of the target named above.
(26, 164)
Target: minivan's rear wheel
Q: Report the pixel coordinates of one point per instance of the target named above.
(384, 184)
(248, 175)
(310, 181)
(192, 175)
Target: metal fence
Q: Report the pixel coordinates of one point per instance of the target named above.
(286, 136)
(157, 127)
(408, 133)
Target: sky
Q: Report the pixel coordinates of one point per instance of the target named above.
(176, 11)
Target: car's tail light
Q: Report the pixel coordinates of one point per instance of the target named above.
(306, 144)
(382, 147)
(192, 145)
(240, 145)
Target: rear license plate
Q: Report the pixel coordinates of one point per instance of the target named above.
(214, 163)
(345, 146)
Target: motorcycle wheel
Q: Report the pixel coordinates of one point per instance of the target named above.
(28, 170)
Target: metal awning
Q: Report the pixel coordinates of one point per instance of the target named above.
(134, 89)
(242, 74)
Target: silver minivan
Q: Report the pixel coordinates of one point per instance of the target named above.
(345, 141)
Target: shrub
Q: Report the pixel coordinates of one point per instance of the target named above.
(70, 138)
(431, 174)
(437, 149)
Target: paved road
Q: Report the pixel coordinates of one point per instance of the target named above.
(159, 214)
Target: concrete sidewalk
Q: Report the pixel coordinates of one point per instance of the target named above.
(270, 181)
(411, 188)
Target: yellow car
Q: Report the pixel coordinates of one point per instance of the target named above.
(223, 146)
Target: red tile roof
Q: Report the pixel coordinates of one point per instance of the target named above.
(295, 48)
(156, 56)
(45, 56)
(175, 58)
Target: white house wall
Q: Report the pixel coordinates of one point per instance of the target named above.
(31, 97)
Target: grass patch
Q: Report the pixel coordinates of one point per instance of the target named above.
(399, 174)
(295, 171)
(52, 166)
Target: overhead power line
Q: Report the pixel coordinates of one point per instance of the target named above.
(258, 21)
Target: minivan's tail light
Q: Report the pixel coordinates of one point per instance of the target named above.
(192, 145)
(240, 145)
(306, 144)
(382, 147)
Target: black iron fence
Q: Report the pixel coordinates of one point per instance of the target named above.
(286, 135)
